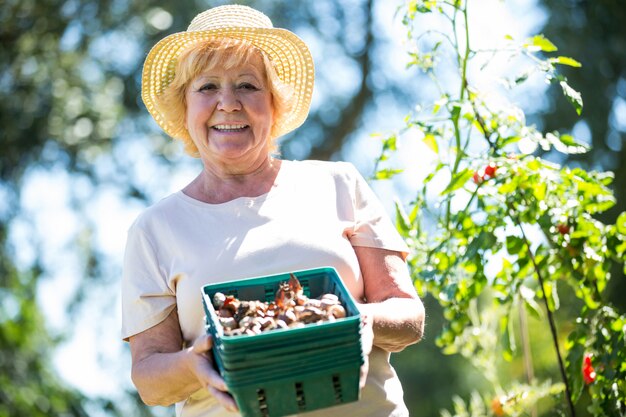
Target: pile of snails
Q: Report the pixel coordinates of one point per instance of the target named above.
(290, 309)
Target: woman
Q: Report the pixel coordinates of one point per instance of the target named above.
(227, 88)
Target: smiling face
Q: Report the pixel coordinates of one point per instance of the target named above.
(229, 113)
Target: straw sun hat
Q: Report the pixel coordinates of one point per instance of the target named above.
(288, 53)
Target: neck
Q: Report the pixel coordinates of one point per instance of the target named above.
(219, 186)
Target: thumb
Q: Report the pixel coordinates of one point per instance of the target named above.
(203, 344)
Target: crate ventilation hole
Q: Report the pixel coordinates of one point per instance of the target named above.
(337, 387)
(300, 396)
(262, 399)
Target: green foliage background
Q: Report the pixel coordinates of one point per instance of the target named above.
(69, 83)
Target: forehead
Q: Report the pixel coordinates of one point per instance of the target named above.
(234, 66)
(223, 54)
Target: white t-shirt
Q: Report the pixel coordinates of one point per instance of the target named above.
(311, 218)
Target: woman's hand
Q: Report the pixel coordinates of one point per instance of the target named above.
(367, 341)
(201, 364)
(165, 373)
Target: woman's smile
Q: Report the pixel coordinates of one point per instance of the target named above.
(230, 128)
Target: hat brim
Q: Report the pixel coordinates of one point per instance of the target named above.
(288, 53)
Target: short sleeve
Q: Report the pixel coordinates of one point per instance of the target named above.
(146, 297)
(372, 224)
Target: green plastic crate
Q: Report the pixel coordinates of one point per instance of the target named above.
(254, 375)
(243, 361)
(288, 371)
(298, 393)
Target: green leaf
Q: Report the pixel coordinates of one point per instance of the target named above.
(540, 43)
(390, 144)
(574, 361)
(403, 224)
(507, 338)
(521, 78)
(424, 6)
(551, 295)
(387, 173)
(455, 112)
(601, 206)
(413, 215)
(431, 142)
(432, 174)
(573, 96)
(566, 143)
(539, 191)
(528, 297)
(485, 240)
(441, 102)
(514, 245)
(458, 181)
(564, 60)
(508, 140)
(620, 224)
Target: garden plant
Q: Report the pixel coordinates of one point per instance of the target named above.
(506, 239)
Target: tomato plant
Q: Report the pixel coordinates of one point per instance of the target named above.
(512, 230)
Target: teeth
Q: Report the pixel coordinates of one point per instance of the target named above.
(229, 127)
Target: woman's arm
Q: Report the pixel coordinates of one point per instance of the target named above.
(165, 373)
(390, 299)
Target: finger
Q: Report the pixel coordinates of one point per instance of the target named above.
(367, 335)
(215, 380)
(224, 398)
(363, 373)
(203, 344)
(209, 375)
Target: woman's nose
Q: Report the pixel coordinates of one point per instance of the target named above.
(228, 100)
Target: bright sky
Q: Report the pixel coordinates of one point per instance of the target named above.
(95, 359)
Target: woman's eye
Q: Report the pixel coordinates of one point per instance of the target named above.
(248, 86)
(208, 86)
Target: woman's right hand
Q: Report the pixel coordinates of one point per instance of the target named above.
(201, 364)
(165, 373)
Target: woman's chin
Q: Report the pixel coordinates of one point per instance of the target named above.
(233, 153)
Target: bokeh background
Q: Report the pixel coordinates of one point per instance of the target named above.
(80, 158)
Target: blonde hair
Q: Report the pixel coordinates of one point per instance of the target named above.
(205, 56)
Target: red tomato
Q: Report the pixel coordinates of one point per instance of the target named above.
(490, 170)
(589, 374)
(496, 407)
(562, 228)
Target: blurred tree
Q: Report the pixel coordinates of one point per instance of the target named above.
(29, 388)
(69, 97)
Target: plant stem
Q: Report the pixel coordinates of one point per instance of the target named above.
(528, 357)
(462, 62)
(555, 339)
(466, 54)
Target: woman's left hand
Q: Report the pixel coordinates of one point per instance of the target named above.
(391, 302)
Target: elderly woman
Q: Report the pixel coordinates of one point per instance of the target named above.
(228, 87)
